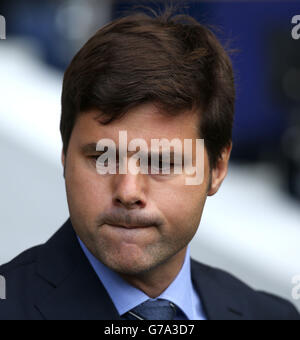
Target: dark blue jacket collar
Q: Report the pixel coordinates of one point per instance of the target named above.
(78, 294)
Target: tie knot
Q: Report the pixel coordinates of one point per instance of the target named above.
(153, 310)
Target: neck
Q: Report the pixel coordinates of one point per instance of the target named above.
(154, 282)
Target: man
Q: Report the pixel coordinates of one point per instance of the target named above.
(124, 252)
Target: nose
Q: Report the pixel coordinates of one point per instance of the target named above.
(129, 191)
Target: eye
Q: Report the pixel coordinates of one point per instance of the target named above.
(161, 167)
(94, 158)
(165, 166)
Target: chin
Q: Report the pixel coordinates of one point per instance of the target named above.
(130, 266)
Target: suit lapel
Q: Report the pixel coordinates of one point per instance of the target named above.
(77, 293)
(218, 303)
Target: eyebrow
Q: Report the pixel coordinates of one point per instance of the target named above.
(91, 148)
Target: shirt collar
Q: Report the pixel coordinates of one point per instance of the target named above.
(126, 297)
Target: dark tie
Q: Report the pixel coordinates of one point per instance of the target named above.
(152, 310)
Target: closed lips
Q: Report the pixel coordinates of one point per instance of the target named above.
(128, 226)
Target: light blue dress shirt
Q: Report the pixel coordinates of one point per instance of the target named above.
(126, 297)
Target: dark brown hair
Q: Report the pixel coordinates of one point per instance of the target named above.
(167, 59)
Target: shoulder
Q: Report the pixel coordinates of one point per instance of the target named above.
(20, 285)
(23, 260)
(33, 275)
(256, 304)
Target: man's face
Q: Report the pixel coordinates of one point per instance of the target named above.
(167, 208)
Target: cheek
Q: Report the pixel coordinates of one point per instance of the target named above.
(86, 191)
(183, 208)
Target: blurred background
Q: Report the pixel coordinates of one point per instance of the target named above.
(251, 228)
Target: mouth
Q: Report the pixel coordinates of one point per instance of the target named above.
(128, 226)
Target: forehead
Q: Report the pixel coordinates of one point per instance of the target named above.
(144, 121)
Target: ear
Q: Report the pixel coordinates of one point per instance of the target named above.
(63, 161)
(63, 158)
(220, 171)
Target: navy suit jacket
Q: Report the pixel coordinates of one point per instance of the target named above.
(55, 281)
